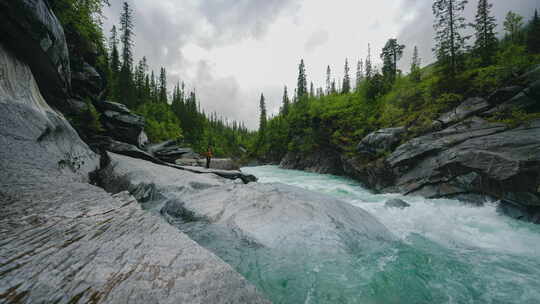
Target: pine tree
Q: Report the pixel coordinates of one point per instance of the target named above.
(262, 119)
(359, 73)
(390, 55)
(485, 45)
(450, 43)
(328, 80)
(126, 29)
(286, 102)
(346, 86)
(512, 25)
(126, 90)
(533, 35)
(302, 81)
(415, 66)
(368, 66)
(163, 85)
(114, 55)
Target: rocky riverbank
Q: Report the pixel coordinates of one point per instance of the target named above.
(464, 155)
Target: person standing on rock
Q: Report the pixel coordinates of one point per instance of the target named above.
(208, 156)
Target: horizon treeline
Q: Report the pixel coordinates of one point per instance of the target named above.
(338, 115)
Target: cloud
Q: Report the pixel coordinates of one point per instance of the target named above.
(316, 39)
(168, 29)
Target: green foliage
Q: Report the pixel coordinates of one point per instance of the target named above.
(514, 117)
(87, 121)
(161, 123)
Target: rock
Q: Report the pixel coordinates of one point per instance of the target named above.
(29, 29)
(118, 147)
(474, 156)
(64, 240)
(87, 82)
(222, 164)
(229, 174)
(215, 163)
(282, 217)
(384, 140)
(169, 151)
(467, 108)
(322, 161)
(396, 203)
(122, 124)
(504, 94)
(192, 162)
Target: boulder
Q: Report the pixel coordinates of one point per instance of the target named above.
(30, 29)
(169, 151)
(467, 108)
(324, 161)
(396, 203)
(215, 163)
(122, 124)
(65, 240)
(229, 174)
(384, 140)
(474, 156)
(87, 82)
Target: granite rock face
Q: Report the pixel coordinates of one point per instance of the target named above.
(29, 29)
(383, 140)
(320, 161)
(63, 240)
(122, 124)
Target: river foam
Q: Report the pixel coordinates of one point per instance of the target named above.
(449, 252)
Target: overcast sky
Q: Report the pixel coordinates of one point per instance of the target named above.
(230, 51)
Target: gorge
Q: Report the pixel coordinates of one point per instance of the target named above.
(92, 211)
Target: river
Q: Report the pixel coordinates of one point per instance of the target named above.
(446, 252)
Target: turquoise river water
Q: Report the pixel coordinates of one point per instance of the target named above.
(447, 252)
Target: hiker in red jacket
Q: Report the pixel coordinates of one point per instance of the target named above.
(208, 157)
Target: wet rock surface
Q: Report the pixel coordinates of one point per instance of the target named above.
(320, 161)
(30, 29)
(380, 141)
(63, 240)
(122, 124)
(396, 203)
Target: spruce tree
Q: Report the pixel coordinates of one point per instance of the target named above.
(449, 42)
(368, 66)
(485, 45)
(302, 90)
(415, 66)
(125, 80)
(311, 90)
(163, 86)
(346, 86)
(126, 29)
(114, 55)
(390, 55)
(533, 35)
(262, 119)
(359, 73)
(286, 102)
(328, 80)
(512, 25)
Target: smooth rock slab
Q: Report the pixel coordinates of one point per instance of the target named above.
(63, 240)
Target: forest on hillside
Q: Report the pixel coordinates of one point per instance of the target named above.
(334, 116)
(339, 115)
(169, 113)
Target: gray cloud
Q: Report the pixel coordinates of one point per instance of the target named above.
(316, 39)
(164, 28)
